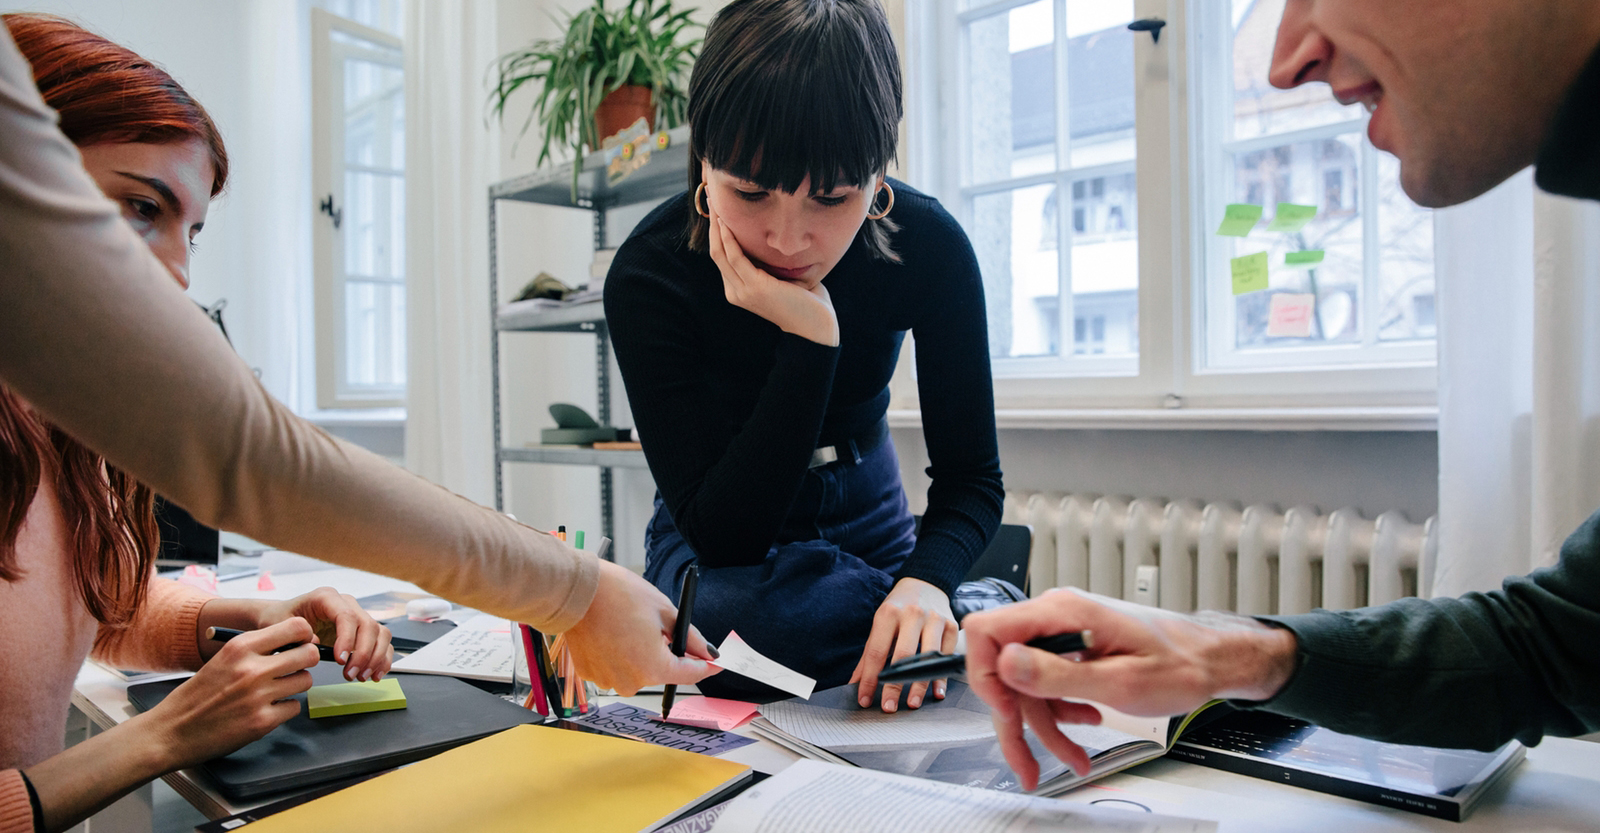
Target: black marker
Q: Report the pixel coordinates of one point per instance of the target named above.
(933, 665)
(680, 630)
(225, 634)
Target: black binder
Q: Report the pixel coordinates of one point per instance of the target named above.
(441, 713)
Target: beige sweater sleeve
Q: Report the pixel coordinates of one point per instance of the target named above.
(95, 334)
(163, 637)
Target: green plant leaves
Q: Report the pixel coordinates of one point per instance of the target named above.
(645, 42)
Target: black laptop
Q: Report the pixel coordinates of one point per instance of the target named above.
(441, 713)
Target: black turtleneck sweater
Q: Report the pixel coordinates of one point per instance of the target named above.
(1473, 672)
(729, 407)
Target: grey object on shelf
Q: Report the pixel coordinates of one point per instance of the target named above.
(665, 175)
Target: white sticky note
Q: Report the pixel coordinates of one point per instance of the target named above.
(1290, 315)
(738, 657)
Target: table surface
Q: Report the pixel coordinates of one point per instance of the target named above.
(1556, 789)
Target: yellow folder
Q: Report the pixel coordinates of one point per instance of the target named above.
(525, 778)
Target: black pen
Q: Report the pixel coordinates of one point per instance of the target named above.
(680, 630)
(933, 665)
(225, 634)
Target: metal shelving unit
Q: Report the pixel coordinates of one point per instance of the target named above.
(664, 175)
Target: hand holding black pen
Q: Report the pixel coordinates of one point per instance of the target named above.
(680, 630)
(932, 665)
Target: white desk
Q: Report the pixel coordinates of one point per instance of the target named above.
(1557, 789)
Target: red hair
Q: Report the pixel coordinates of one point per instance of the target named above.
(109, 93)
(103, 93)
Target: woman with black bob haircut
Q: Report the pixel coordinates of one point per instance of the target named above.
(757, 320)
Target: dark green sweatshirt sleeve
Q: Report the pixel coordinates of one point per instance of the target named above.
(1472, 672)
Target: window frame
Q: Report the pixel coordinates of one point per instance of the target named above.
(333, 389)
(1170, 375)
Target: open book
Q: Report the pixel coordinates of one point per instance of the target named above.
(812, 796)
(953, 739)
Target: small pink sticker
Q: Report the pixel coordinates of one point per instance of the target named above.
(711, 713)
(265, 581)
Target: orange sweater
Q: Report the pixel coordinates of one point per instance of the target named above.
(45, 633)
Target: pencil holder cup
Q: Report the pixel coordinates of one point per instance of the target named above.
(523, 678)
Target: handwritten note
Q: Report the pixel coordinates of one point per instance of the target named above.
(478, 649)
(1238, 219)
(1290, 315)
(1249, 273)
(711, 712)
(1303, 260)
(1291, 218)
(740, 658)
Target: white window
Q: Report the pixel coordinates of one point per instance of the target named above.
(1369, 299)
(1091, 166)
(358, 126)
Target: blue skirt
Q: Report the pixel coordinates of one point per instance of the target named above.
(809, 604)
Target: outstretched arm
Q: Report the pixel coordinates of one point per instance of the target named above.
(1145, 661)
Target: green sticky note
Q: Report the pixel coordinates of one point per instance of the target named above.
(1250, 273)
(1303, 260)
(1238, 219)
(355, 698)
(1291, 217)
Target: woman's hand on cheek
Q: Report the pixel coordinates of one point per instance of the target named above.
(795, 309)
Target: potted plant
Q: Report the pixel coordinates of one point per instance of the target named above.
(617, 64)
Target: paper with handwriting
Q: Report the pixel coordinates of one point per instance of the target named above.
(738, 657)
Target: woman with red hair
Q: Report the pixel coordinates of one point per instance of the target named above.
(77, 536)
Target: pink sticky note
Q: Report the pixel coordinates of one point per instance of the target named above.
(265, 581)
(1290, 315)
(711, 712)
(202, 579)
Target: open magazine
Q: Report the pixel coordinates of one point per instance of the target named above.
(953, 739)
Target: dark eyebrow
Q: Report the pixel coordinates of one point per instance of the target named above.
(164, 191)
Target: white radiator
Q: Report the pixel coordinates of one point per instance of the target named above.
(1182, 556)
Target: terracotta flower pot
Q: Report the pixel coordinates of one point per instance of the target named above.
(622, 107)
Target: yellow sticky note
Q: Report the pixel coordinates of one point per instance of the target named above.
(1238, 219)
(355, 698)
(1249, 273)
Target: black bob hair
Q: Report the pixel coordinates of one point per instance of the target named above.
(786, 89)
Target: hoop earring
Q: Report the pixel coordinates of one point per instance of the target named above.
(700, 194)
(886, 209)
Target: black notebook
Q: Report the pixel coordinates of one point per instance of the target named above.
(1445, 783)
(441, 713)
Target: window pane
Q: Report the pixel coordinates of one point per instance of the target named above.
(1100, 81)
(1324, 173)
(1017, 254)
(1259, 109)
(1405, 260)
(374, 225)
(375, 326)
(1105, 264)
(1011, 93)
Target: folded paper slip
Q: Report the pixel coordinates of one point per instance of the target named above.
(526, 778)
(355, 698)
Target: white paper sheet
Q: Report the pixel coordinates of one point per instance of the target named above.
(738, 657)
(814, 796)
(478, 649)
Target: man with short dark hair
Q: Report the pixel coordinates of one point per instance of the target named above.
(1465, 93)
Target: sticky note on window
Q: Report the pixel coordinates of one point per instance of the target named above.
(1289, 316)
(1238, 219)
(1303, 260)
(1291, 217)
(355, 698)
(1249, 273)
